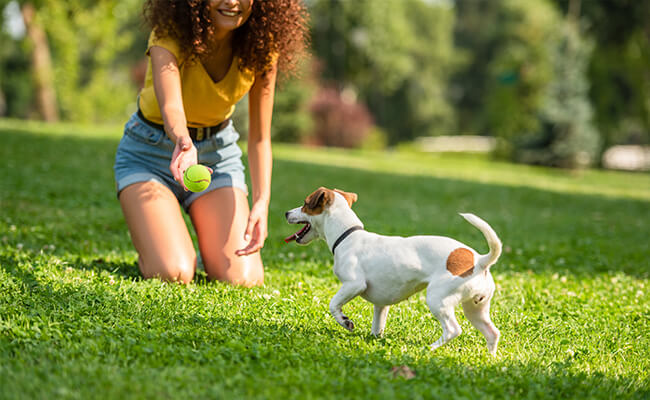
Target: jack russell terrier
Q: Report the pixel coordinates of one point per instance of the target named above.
(388, 269)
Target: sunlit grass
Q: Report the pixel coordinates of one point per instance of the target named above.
(477, 168)
(76, 321)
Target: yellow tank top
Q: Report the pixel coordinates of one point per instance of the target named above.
(206, 103)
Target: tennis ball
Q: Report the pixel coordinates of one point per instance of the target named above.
(197, 178)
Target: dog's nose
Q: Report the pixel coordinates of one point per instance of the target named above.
(286, 214)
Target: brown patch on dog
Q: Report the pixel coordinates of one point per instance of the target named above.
(349, 197)
(461, 262)
(316, 202)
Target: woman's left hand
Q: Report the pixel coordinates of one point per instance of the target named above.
(256, 229)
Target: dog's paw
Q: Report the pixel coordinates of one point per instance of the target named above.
(347, 323)
(437, 344)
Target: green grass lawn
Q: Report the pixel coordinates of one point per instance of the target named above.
(77, 321)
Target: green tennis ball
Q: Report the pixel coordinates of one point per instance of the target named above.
(197, 178)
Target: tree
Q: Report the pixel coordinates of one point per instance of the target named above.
(88, 39)
(41, 61)
(81, 57)
(477, 40)
(520, 69)
(16, 88)
(529, 84)
(567, 137)
(397, 55)
(618, 70)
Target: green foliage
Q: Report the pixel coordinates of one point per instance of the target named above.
(616, 71)
(621, 89)
(620, 85)
(375, 140)
(16, 94)
(77, 322)
(521, 68)
(537, 96)
(292, 121)
(567, 137)
(91, 85)
(397, 56)
(476, 31)
(92, 45)
(360, 47)
(422, 67)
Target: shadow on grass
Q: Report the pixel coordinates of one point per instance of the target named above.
(92, 340)
(124, 269)
(127, 270)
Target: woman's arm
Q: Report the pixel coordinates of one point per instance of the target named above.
(167, 86)
(260, 108)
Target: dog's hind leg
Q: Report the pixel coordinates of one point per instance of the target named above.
(348, 291)
(477, 312)
(443, 310)
(379, 320)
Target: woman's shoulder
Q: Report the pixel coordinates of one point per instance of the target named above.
(165, 41)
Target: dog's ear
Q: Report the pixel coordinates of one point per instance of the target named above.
(316, 202)
(349, 197)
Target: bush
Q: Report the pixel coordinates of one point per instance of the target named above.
(339, 120)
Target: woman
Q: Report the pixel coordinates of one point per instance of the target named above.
(204, 57)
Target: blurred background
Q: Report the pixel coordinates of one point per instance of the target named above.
(562, 83)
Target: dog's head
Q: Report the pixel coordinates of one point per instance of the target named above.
(317, 207)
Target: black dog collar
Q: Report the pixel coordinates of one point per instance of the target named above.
(344, 235)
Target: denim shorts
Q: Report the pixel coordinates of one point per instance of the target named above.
(144, 154)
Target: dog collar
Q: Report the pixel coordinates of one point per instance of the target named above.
(344, 235)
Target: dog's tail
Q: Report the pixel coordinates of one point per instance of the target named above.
(493, 240)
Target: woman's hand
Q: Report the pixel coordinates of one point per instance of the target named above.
(183, 157)
(256, 229)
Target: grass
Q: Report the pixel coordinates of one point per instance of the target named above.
(77, 321)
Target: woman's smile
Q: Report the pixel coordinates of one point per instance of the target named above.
(230, 13)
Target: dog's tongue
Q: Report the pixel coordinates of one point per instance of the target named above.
(296, 235)
(291, 238)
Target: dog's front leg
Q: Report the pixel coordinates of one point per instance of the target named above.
(348, 291)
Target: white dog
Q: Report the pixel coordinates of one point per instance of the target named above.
(386, 270)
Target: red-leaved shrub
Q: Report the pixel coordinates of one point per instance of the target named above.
(339, 121)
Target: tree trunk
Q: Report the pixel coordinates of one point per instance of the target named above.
(573, 13)
(3, 104)
(41, 65)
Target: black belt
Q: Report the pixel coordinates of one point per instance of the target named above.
(195, 133)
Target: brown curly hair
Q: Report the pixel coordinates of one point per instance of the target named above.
(274, 27)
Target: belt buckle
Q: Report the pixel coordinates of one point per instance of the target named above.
(200, 132)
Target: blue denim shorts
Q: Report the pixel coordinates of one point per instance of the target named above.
(144, 154)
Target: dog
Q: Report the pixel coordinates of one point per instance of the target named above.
(385, 270)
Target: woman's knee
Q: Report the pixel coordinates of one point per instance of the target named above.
(245, 271)
(177, 269)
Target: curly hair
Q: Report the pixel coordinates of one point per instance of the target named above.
(274, 28)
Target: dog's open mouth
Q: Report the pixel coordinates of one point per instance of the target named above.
(300, 234)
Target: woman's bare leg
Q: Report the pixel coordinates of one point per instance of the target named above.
(158, 232)
(220, 218)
